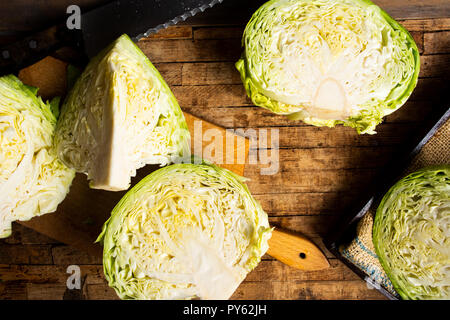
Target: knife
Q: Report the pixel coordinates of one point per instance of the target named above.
(99, 27)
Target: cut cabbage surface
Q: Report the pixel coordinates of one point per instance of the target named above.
(411, 234)
(32, 179)
(119, 116)
(185, 231)
(328, 62)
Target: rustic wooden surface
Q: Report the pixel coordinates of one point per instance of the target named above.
(322, 170)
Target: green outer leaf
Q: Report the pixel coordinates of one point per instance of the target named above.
(73, 73)
(365, 122)
(31, 93)
(54, 106)
(422, 178)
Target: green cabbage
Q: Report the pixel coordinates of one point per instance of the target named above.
(185, 231)
(411, 234)
(328, 62)
(119, 116)
(32, 179)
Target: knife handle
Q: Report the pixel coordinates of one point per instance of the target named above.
(296, 251)
(35, 47)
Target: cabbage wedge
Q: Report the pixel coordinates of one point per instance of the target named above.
(119, 116)
(328, 62)
(32, 179)
(185, 231)
(411, 234)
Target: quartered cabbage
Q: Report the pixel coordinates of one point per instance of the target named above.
(32, 179)
(185, 231)
(119, 116)
(328, 62)
(411, 234)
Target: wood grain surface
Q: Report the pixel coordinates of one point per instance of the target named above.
(322, 172)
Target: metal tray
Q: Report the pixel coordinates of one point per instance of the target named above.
(345, 229)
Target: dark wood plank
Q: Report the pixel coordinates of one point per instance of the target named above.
(171, 72)
(437, 42)
(24, 235)
(302, 290)
(67, 255)
(100, 292)
(319, 159)
(311, 226)
(306, 203)
(306, 290)
(281, 272)
(291, 181)
(210, 73)
(173, 32)
(218, 32)
(418, 38)
(45, 291)
(429, 25)
(25, 254)
(13, 291)
(48, 273)
(191, 50)
(437, 65)
(415, 9)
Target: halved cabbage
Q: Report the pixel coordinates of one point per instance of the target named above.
(120, 116)
(411, 234)
(185, 231)
(328, 62)
(32, 179)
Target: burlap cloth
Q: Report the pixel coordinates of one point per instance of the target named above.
(360, 251)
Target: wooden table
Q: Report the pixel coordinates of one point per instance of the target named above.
(322, 170)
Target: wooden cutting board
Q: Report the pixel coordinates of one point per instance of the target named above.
(80, 217)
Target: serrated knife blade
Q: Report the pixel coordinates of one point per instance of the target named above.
(99, 27)
(137, 18)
